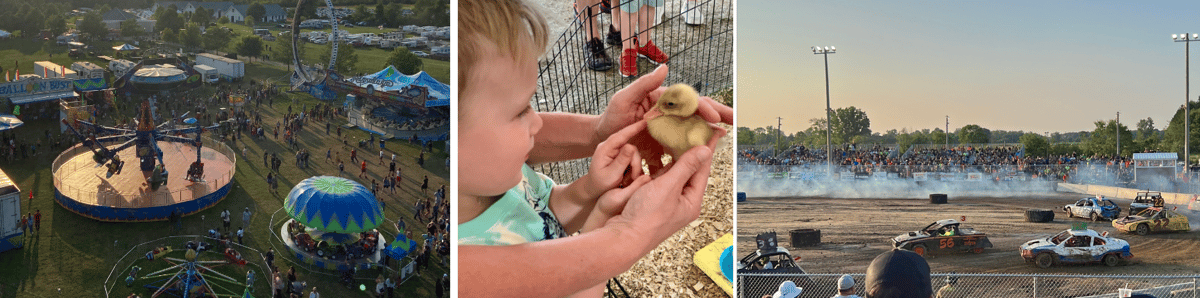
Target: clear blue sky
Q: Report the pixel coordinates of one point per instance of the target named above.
(1009, 65)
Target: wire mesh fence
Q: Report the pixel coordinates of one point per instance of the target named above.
(754, 285)
(700, 55)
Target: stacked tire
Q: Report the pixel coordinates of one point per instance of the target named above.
(1039, 215)
(937, 198)
(805, 237)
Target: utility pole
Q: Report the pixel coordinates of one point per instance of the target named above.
(947, 131)
(1118, 128)
(778, 135)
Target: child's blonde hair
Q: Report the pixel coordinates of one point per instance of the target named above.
(503, 22)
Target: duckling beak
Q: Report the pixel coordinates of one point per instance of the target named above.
(652, 113)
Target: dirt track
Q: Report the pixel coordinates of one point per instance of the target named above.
(854, 231)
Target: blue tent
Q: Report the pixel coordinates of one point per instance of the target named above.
(400, 248)
(334, 204)
(389, 79)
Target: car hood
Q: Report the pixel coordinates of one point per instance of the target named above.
(909, 237)
(1140, 205)
(1037, 244)
(1129, 219)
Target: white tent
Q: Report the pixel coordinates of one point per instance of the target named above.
(5, 34)
(125, 47)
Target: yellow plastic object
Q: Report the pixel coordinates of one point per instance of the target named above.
(708, 259)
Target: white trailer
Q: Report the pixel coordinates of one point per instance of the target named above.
(208, 73)
(48, 69)
(230, 69)
(11, 234)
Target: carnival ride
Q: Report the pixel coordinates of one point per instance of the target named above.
(97, 187)
(333, 223)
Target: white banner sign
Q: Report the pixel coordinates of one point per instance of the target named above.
(974, 176)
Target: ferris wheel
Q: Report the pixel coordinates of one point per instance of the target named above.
(300, 75)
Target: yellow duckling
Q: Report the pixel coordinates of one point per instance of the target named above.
(679, 128)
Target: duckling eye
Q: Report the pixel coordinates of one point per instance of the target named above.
(671, 104)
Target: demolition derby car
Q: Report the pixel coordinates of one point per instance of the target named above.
(1153, 219)
(776, 261)
(1145, 199)
(1094, 208)
(945, 235)
(1076, 246)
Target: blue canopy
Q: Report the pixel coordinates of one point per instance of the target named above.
(334, 204)
(401, 247)
(389, 79)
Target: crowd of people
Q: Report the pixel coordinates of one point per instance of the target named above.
(995, 161)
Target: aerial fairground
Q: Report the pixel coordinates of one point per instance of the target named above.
(159, 159)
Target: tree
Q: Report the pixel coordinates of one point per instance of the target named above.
(202, 16)
(169, 35)
(380, 16)
(92, 26)
(938, 136)
(251, 46)
(56, 24)
(360, 14)
(169, 19)
(432, 12)
(222, 20)
(849, 123)
(131, 28)
(249, 22)
(216, 38)
(190, 37)
(745, 136)
(282, 51)
(973, 134)
(406, 62)
(1104, 139)
(256, 11)
(35, 20)
(1035, 145)
(346, 59)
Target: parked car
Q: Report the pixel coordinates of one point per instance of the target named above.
(769, 258)
(421, 54)
(1094, 208)
(947, 235)
(362, 23)
(1153, 219)
(1145, 199)
(1076, 246)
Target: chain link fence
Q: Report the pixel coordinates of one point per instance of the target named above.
(754, 285)
(701, 56)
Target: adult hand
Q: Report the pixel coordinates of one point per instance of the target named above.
(631, 104)
(670, 201)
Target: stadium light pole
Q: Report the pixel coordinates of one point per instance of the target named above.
(1187, 41)
(828, 111)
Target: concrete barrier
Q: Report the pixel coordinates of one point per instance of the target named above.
(1123, 193)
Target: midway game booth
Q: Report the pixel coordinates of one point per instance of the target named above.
(332, 224)
(34, 98)
(391, 103)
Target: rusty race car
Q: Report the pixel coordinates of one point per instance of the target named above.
(1152, 219)
(1079, 245)
(947, 235)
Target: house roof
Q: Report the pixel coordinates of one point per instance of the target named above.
(275, 10)
(117, 15)
(216, 6)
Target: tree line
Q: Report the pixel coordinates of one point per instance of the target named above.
(851, 125)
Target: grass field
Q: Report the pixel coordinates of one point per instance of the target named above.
(75, 254)
(369, 58)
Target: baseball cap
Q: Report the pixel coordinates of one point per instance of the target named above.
(845, 282)
(898, 273)
(787, 289)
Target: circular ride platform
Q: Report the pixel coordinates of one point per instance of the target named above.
(84, 186)
(312, 257)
